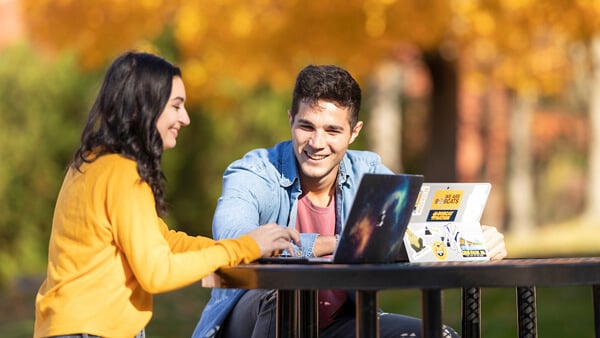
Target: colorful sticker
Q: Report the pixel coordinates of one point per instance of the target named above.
(439, 250)
(421, 199)
(474, 253)
(441, 215)
(447, 199)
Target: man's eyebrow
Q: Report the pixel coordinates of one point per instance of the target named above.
(335, 127)
(304, 121)
(329, 126)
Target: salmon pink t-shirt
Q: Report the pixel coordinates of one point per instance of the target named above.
(315, 219)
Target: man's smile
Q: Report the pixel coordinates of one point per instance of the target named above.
(315, 157)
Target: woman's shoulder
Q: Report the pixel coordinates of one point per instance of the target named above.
(116, 161)
(111, 166)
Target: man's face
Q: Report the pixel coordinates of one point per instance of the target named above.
(321, 135)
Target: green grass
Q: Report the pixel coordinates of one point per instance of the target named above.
(176, 313)
(562, 312)
(575, 237)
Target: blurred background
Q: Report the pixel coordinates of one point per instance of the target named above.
(504, 91)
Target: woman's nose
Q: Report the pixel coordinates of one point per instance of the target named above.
(184, 118)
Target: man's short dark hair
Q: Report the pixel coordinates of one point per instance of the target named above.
(330, 83)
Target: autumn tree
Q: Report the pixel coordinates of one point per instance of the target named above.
(516, 47)
(38, 102)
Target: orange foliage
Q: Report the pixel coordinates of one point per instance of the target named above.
(97, 30)
(550, 128)
(522, 43)
(248, 43)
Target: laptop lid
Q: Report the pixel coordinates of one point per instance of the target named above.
(377, 221)
(445, 224)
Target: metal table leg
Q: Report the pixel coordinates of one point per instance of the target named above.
(286, 321)
(308, 314)
(527, 312)
(596, 299)
(367, 322)
(471, 317)
(431, 303)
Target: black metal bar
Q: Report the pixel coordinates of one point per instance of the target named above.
(502, 273)
(471, 317)
(431, 303)
(367, 321)
(526, 309)
(308, 314)
(521, 273)
(286, 321)
(596, 299)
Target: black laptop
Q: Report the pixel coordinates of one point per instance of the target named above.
(376, 224)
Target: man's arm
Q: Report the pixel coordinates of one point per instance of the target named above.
(239, 207)
(250, 199)
(324, 245)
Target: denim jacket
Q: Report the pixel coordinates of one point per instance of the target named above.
(263, 187)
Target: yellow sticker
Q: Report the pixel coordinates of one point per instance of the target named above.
(439, 250)
(442, 216)
(447, 199)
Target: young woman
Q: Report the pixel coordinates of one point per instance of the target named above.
(109, 249)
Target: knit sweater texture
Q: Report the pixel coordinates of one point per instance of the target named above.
(109, 252)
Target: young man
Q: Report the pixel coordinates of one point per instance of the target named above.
(307, 183)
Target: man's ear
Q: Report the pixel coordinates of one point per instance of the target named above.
(290, 118)
(356, 131)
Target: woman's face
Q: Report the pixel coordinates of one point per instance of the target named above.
(173, 116)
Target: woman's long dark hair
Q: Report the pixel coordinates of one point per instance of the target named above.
(122, 120)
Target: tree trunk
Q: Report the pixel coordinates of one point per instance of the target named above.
(592, 209)
(496, 149)
(520, 180)
(385, 123)
(482, 137)
(440, 163)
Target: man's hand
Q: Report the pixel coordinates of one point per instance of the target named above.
(273, 238)
(494, 242)
(324, 245)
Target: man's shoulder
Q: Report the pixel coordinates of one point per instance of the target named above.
(364, 156)
(260, 160)
(279, 149)
(359, 162)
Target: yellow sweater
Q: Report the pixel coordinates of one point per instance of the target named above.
(109, 252)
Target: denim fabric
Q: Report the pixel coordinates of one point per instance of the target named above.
(263, 187)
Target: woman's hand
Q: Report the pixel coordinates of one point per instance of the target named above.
(494, 242)
(273, 238)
